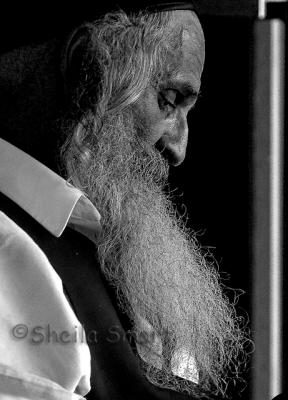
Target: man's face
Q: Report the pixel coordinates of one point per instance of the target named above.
(164, 110)
(144, 248)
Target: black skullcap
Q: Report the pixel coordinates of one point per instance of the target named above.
(23, 23)
(148, 5)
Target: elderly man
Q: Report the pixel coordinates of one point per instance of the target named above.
(103, 289)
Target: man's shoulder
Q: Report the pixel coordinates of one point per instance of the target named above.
(20, 255)
(11, 233)
(7, 226)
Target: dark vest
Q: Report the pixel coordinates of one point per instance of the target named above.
(116, 373)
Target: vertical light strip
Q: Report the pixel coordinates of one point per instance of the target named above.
(276, 195)
(261, 9)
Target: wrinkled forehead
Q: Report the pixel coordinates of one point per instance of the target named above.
(192, 31)
(192, 40)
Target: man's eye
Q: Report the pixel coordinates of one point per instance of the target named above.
(168, 98)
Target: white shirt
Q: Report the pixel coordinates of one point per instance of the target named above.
(32, 302)
(31, 292)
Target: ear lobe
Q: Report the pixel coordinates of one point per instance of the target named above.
(72, 57)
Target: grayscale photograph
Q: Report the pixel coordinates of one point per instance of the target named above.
(143, 192)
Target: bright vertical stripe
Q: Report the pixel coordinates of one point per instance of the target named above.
(276, 201)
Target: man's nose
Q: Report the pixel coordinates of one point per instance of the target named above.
(175, 141)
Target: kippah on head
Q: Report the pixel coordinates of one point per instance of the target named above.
(22, 24)
(156, 6)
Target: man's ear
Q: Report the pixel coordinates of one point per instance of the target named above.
(73, 54)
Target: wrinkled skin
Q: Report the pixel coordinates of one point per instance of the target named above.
(164, 112)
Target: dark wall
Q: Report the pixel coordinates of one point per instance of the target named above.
(216, 175)
(227, 7)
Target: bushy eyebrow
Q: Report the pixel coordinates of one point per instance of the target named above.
(185, 87)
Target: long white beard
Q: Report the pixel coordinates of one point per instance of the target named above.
(153, 261)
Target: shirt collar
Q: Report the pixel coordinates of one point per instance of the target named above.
(47, 197)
